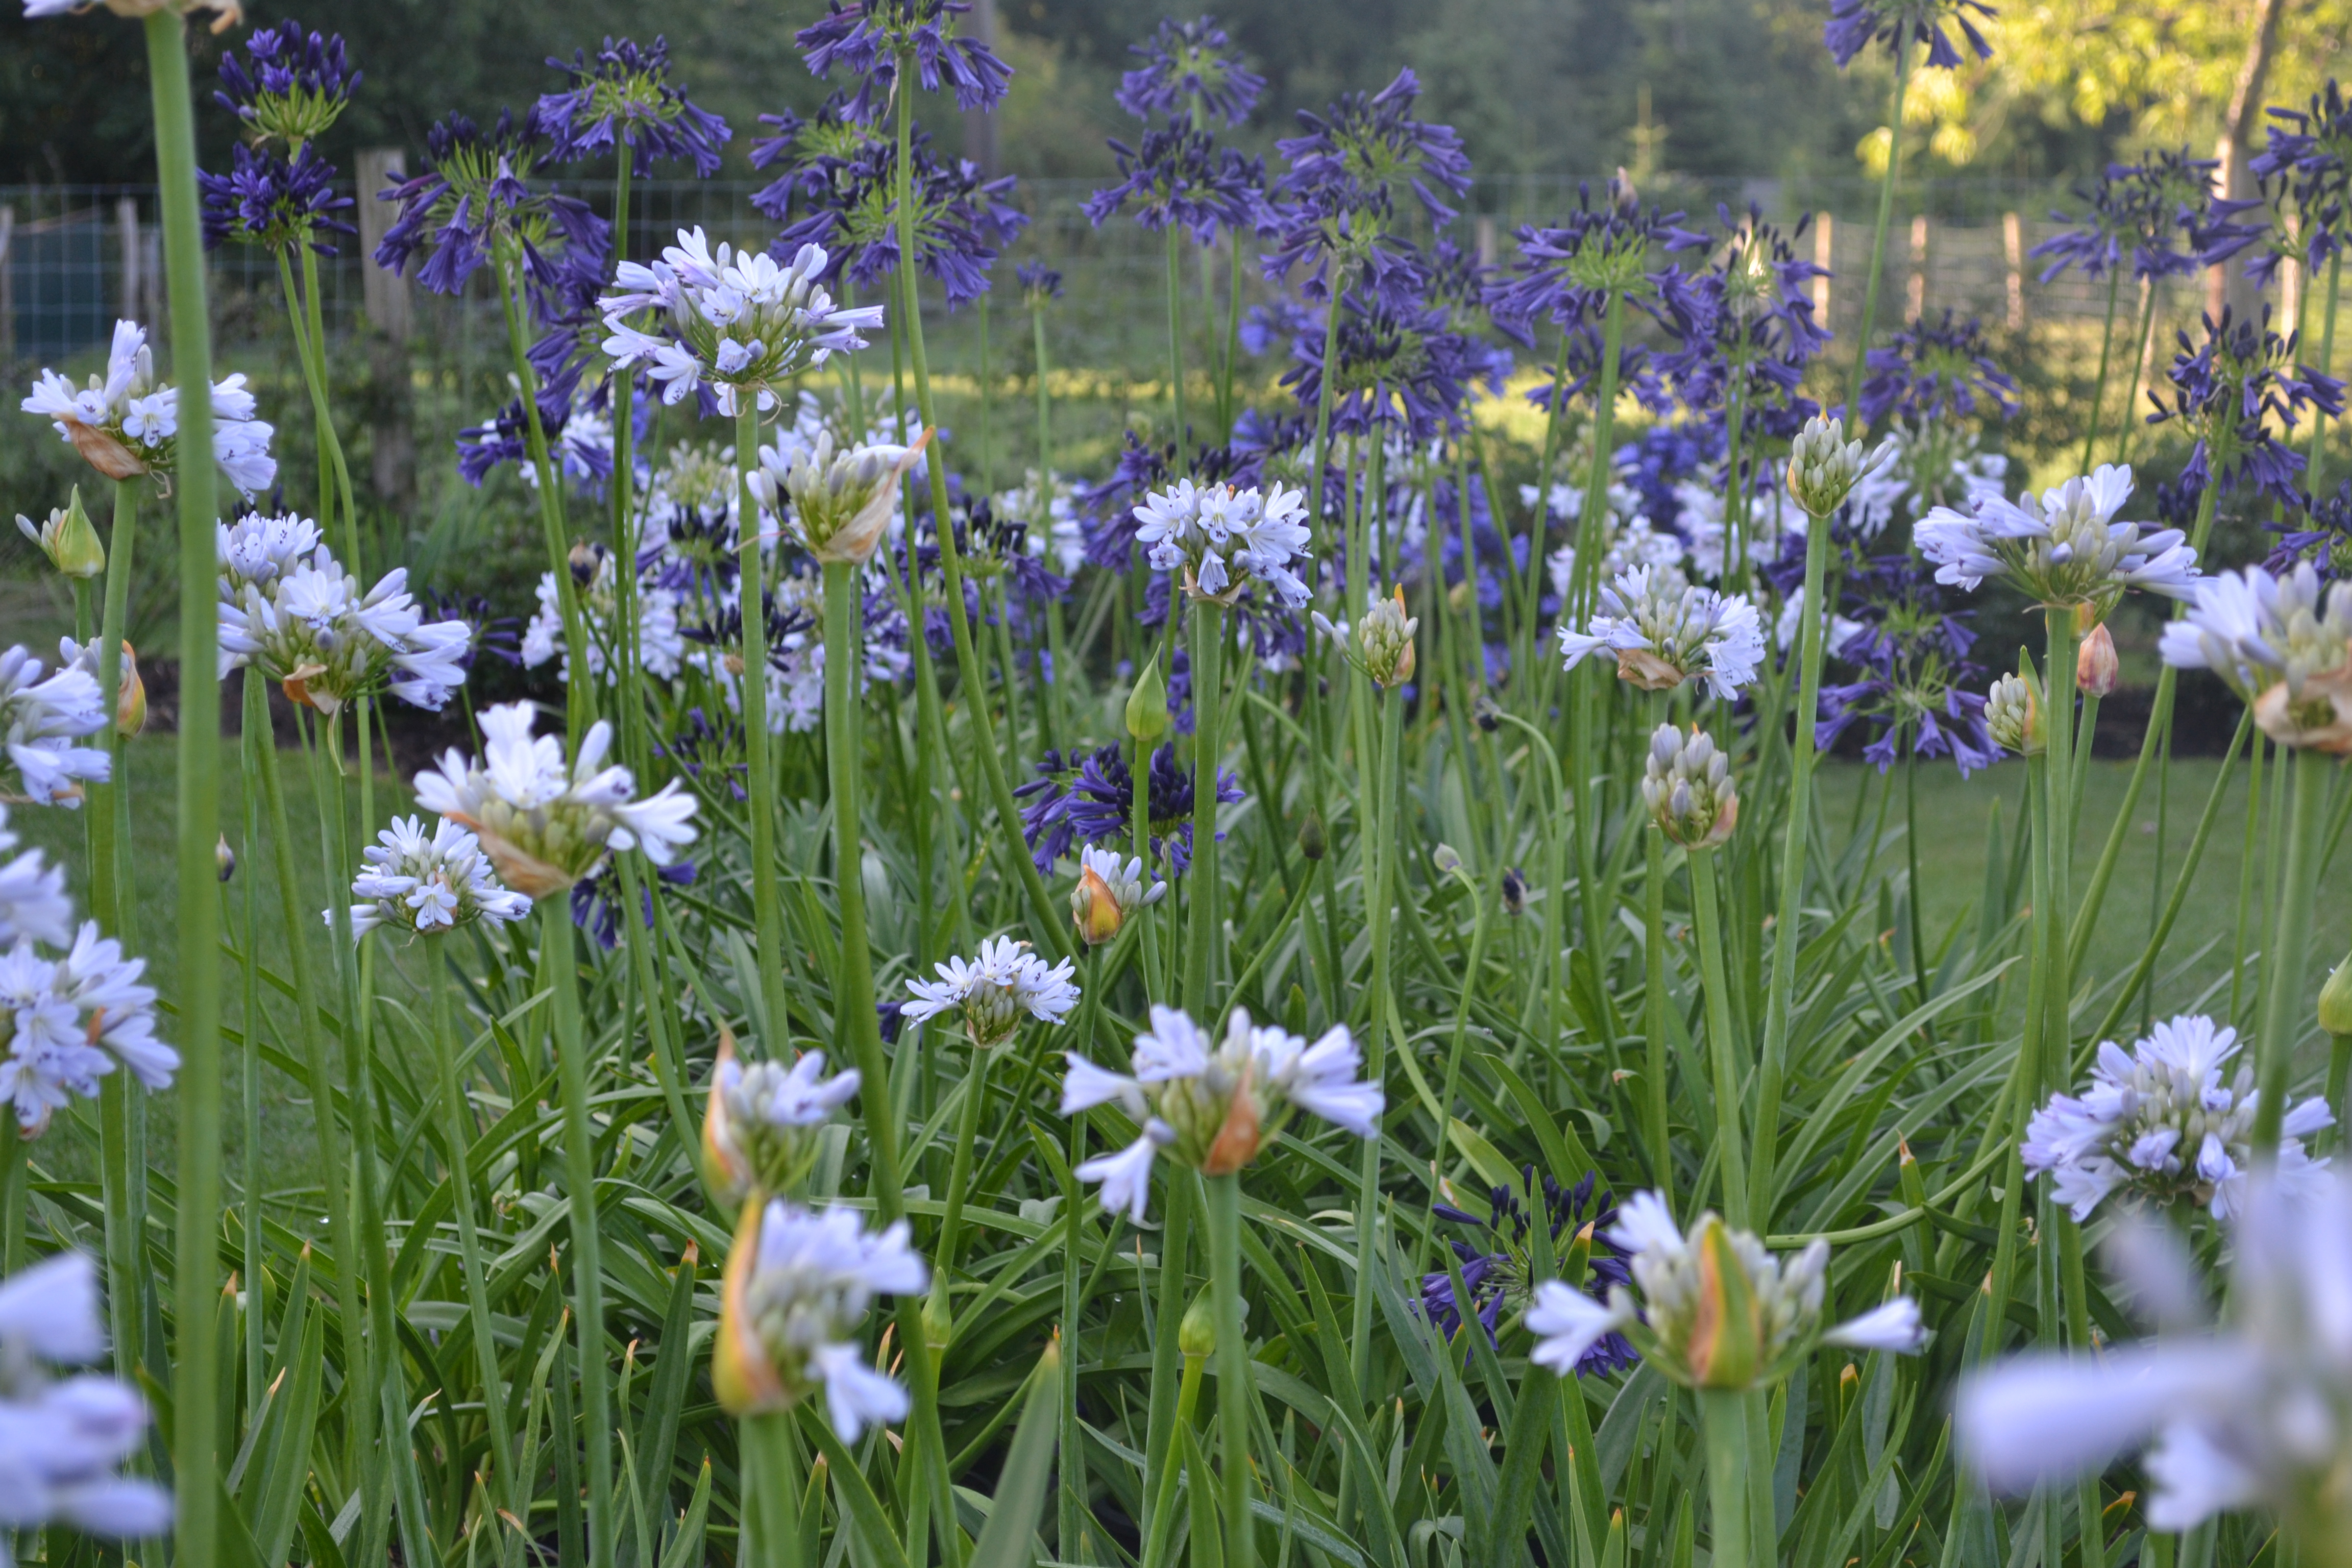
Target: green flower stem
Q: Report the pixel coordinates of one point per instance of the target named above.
(1879, 240)
(628, 693)
(579, 693)
(1225, 406)
(1707, 923)
(1379, 848)
(1480, 899)
(2076, 1291)
(767, 905)
(772, 1491)
(2099, 385)
(1201, 944)
(560, 972)
(1051, 699)
(1155, 981)
(1531, 583)
(858, 1032)
(122, 1164)
(1555, 882)
(252, 738)
(2129, 425)
(1233, 1368)
(2287, 965)
(1176, 347)
(195, 1383)
(1796, 840)
(1052, 934)
(654, 993)
(975, 1099)
(1723, 1417)
(1169, 1404)
(2318, 468)
(457, 1118)
(1657, 1061)
(1072, 1515)
(2050, 921)
(1168, 1471)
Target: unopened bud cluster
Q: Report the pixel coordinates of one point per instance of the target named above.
(1381, 643)
(1108, 891)
(842, 500)
(2013, 715)
(1823, 466)
(1688, 789)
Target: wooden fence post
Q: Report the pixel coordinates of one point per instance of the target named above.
(1916, 297)
(2013, 245)
(392, 461)
(1824, 257)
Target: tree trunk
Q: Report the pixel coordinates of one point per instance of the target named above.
(2227, 285)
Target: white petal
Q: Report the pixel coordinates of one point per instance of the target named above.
(2042, 1417)
(1894, 1326)
(1566, 1323)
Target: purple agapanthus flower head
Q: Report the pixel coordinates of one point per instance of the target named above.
(2234, 391)
(1039, 282)
(838, 189)
(1912, 651)
(288, 86)
(1178, 174)
(867, 38)
(471, 203)
(1500, 1269)
(1932, 370)
(623, 98)
(1747, 319)
(268, 199)
(1338, 197)
(596, 900)
(2306, 169)
(2321, 534)
(1854, 25)
(1088, 797)
(1191, 72)
(1579, 369)
(1405, 370)
(487, 631)
(1567, 271)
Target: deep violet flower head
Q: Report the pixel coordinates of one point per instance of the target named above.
(838, 189)
(1398, 369)
(2305, 171)
(1913, 668)
(2162, 211)
(1499, 1270)
(275, 201)
(290, 85)
(2322, 535)
(1937, 371)
(2232, 391)
(867, 38)
(1340, 193)
(624, 97)
(1088, 797)
(1177, 174)
(470, 205)
(1854, 25)
(1039, 283)
(1749, 315)
(1191, 72)
(1568, 270)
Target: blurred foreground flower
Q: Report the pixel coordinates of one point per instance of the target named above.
(759, 1133)
(61, 1440)
(40, 719)
(2282, 643)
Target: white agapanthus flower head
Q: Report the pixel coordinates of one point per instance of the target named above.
(1687, 783)
(33, 902)
(661, 643)
(2065, 547)
(40, 719)
(1628, 539)
(70, 1021)
(1108, 891)
(305, 622)
(2255, 1414)
(1664, 632)
(61, 1439)
(1700, 517)
(2284, 644)
(1212, 1105)
(758, 1131)
(125, 425)
(995, 992)
(1381, 644)
(2161, 1123)
(842, 501)
(740, 321)
(1220, 538)
(429, 886)
(1717, 1309)
(797, 1291)
(546, 827)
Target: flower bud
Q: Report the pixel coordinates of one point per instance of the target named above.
(224, 859)
(1196, 1336)
(2095, 667)
(842, 501)
(1093, 909)
(1446, 859)
(1311, 841)
(1823, 466)
(1108, 892)
(1147, 705)
(1515, 893)
(130, 698)
(1488, 715)
(2013, 715)
(938, 1317)
(1688, 789)
(2335, 1001)
(68, 539)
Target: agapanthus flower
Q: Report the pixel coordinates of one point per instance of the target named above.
(660, 651)
(759, 1130)
(1747, 323)
(797, 1288)
(1108, 891)
(2322, 535)
(298, 85)
(61, 1440)
(842, 502)
(1340, 195)
(1693, 1322)
(1191, 72)
(71, 1021)
(2307, 161)
(430, 886)
(1936, 371)
(2234, 391)
(625, 96)
(2162, 1124)
(1039, 283)
(578, 432)
(2013, 715)
(1913, 654)
(2248, 1415)
(1503, 1281)
(1178, 174)
(1400, 369)
(2282, 643)
(868, 38)
(995, 991)
(740, 322)
(546, 827)
(1687, 783)
(1090, 797)
(124, 424)
(1046, 506)
(1567, 271)
(2162, 210)
(1381, 644)
(40, 719)
(470, 205)
(274, 201)
(313, 629)
(2065, 547)
(1665, 633)
(1221, 538)
(34, 905)
(1854, 25)
(1212, 1105)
